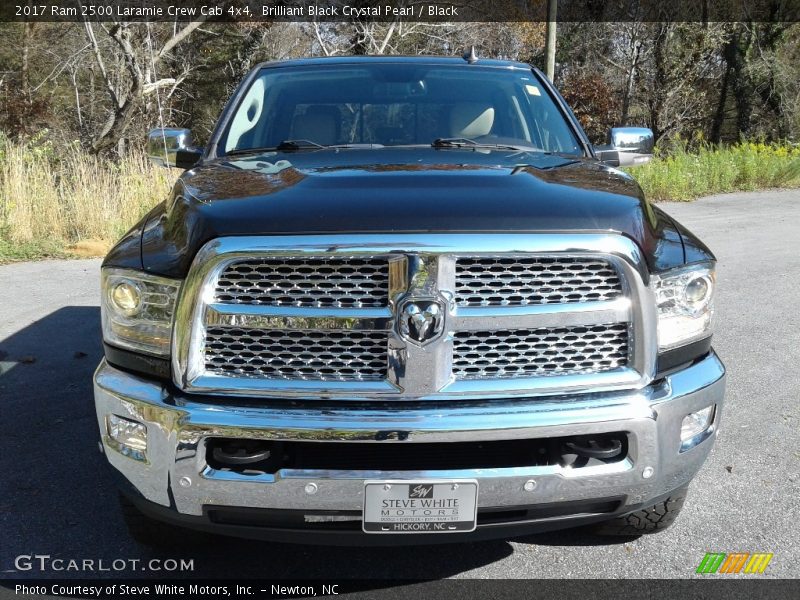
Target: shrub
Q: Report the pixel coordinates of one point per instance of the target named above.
(684, 175)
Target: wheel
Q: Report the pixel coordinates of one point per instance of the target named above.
(151, 532)
(651, 519)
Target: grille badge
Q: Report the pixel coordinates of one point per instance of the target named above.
(420, 321)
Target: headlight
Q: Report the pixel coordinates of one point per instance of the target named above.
(685, 301)
(137, 310)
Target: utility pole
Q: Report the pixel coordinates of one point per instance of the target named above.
(550, 47)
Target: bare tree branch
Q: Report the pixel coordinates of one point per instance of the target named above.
(387, 37)
(178, 37)
(59, 68)
(319, 39)
(100, 64)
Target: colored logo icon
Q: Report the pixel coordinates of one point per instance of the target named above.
(736, 562)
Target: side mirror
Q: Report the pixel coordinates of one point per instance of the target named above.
(172, 147)
(634, 145)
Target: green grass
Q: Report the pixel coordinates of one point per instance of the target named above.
(36, 250)
(682, 175)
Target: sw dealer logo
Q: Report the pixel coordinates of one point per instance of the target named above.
(420, 491)
(737, 562)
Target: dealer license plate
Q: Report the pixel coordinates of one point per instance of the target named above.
(420, 506)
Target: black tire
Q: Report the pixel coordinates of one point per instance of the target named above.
(651, 519)
(153, 533)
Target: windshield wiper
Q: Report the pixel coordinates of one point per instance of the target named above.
(460, 142)
(284, 146)
(454, 142)
(297, 145)
(238, 151)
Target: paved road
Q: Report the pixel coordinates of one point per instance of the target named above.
(57, 496)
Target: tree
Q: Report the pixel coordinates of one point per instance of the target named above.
(132, 46)
(105, 84)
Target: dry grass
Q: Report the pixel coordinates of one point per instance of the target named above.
(72, 201)
(89, 248)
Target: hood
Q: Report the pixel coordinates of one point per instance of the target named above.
(396, 190)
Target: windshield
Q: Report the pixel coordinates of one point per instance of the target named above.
(392, 104)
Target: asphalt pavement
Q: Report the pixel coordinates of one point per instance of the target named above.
(57, 497)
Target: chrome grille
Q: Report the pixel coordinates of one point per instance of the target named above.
(349, 316)
(306, 282)
(296, 354)
(522, 281)
(540, 352)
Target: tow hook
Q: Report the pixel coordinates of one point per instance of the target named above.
(240, 453)
(585, 451)
(602, 449)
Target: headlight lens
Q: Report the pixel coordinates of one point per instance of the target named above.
(685, 300)
(126, 297)
(137, 310)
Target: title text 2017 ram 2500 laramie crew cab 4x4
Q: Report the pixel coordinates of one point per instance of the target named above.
(405, 296)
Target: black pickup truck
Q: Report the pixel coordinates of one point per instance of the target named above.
(405, 300)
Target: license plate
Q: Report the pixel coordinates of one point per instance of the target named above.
(420, 506)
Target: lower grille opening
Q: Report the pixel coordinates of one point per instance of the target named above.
(350, 520)
(251, 456)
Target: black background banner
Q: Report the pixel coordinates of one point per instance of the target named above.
(711, 588)
(393, 10)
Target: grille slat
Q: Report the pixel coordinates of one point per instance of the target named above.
(523, 281)
(297, 354)
(540, 352)
(306, 282)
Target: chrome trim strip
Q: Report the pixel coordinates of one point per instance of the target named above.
(578, 382)
(421, 265)
(220, 384)
(542, 315)
(285, 317)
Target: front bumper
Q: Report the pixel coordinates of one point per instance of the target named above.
(173, 472)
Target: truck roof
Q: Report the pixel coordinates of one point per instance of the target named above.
(427, 60)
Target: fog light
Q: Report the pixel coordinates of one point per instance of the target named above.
(130, 436)
(696, 423)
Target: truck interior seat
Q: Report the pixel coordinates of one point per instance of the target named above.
(320, 124)
(471, 119)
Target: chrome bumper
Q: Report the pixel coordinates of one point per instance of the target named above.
(177, 426)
